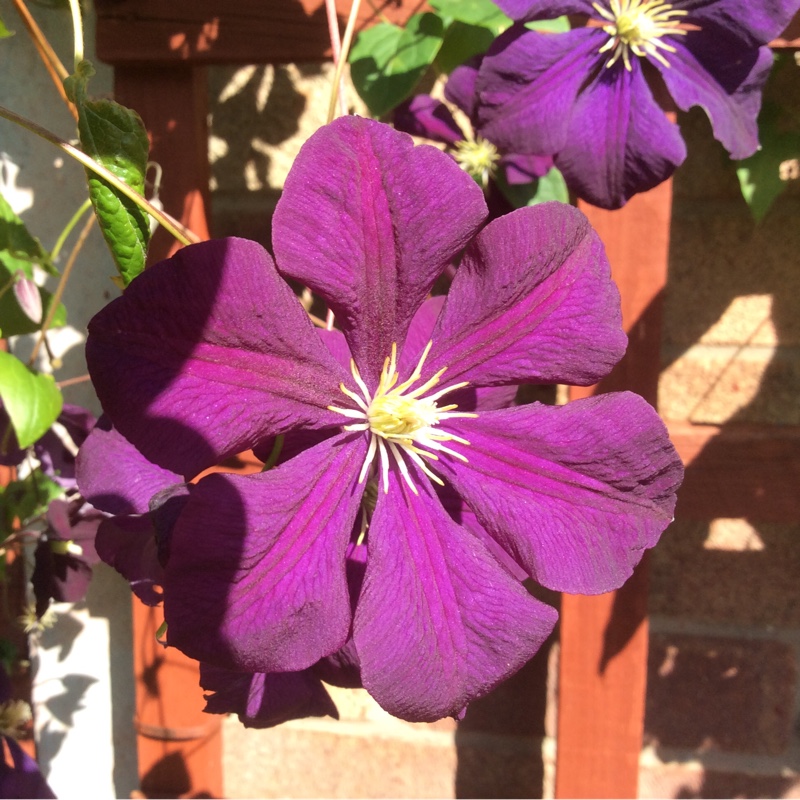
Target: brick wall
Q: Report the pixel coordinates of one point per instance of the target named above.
(722, 692)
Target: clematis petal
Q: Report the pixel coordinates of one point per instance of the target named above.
(462, 86)
(528, 83)
(754, 23)
(19, 774)
(620, 142)
(711, 68)
(128, 544)
(368, 221)
(524, 168)
(532, 301)
(423, 115)
(439, 623)
(256, 574)
(191, 367)
(114, 476)
(574, 493)
(529, 10)
(261, 701)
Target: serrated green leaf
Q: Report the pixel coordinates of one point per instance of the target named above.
(760, 175)
(14, 321)
(19, 250)
(549, 187)
(115, 137)
(462, 42)
(31, 399)
(482, 13)
(557, 25)
(387, 61)
(27, 498)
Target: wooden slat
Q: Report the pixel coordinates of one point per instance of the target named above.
(241, 32)
(602, 672)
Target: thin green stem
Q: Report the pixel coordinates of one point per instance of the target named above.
(343, 55)
(4, 289)
(62, 237)
(181, 233)
(59, 292)
(77, 26)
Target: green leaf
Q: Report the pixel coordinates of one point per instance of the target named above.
(557, 25)
(31, 399)
(387, 61)
(760, 176)
(549, 187)
(19, 250)
(115, 137)
(4, 32)
(482, 13)
(12, 318)
(462, 42)
(27, 498)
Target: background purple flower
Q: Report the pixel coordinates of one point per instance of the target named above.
(585, 97)
(209, 353)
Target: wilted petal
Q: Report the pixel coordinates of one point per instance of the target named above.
(368, 221)
(620, 142)
(114, 476)
(206, 354)
(528, 83)
(711, 68)
(256, 573)
(574, 493)
(439, 623)
(533, 302)
(423, 115)
(264, 700)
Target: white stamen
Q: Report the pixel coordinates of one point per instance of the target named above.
(402, 421)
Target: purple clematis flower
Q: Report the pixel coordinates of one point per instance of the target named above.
(585, 95)
(209, 353)
(425, 116)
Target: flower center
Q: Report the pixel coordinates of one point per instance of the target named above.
(638, 26)
(477, 158)
(402, 420)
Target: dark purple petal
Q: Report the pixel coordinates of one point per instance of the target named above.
(128, 544)
(754, 23)
(529, 10)
(114, 476)
(574, 493)
(206, 354)
(712, 69)
(620, 142)
(532, 302)
(462, 86)
(368, 222)
(439, 623)
(528, 83)
(262, 701)
(21, 778)
(256, 575)
(423, 115)
(10, 453)
(57, 457)
(524, 168)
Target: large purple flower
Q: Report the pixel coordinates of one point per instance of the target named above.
(584, 95)
(209, 353)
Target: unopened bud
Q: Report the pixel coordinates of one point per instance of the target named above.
(28, 297)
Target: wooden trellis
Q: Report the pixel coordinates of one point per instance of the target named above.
(159, 52)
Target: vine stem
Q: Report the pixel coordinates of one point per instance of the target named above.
(180, 232)
(336, 47)
(51, 61)
(77, 27)
(62, 237)
(348, 38)
(59, 292)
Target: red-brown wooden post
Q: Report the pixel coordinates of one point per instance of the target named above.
(603, 659)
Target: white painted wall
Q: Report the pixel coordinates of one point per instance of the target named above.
(83, 690)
